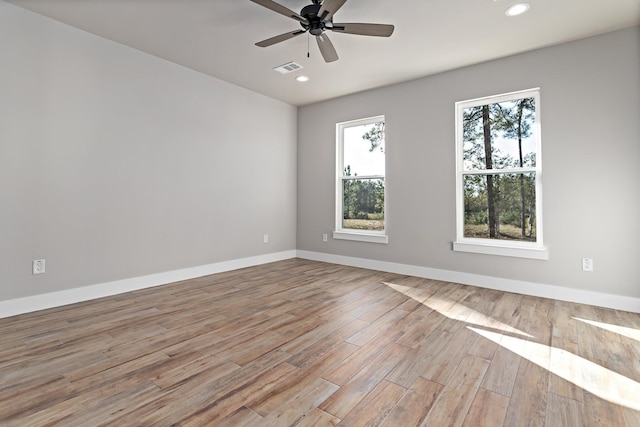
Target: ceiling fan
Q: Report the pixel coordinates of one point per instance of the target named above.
(316, 18)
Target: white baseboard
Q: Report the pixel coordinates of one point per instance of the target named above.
(617, 302)
(69, 296)
(55, 299)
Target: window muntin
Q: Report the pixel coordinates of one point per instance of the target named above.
(360, 186)
(498, 172)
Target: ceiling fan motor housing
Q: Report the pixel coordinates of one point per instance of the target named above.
(314, 24)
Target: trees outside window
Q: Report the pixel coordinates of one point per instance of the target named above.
(498, 174)
(360, 184)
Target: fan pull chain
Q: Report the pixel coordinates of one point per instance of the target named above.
(308, 49)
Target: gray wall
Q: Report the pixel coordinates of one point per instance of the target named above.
(116, 164)
(590, 115)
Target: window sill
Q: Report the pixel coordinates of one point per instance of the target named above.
(511, 251)
(361, 237)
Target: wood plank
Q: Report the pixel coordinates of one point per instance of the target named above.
(420, 327)
(444, 363)
(292, 406)
(209, 404)
(631, 416)
(380, 325)
(112, 389)
(351, 393)
(453, 403)
(375, 406)
(562, 361)
(323, 342)
(484, 348)
(327, 334)
(414, 406)
(599, 412)
(488, 409)
(417, 360)
(288, 390)
(564, 412)
(561, 317)
(528, 402)
(361, 358)
(188, 398)
(20, 401)
(207, 366)
(318, 417)
(503, 370)
(242, 417)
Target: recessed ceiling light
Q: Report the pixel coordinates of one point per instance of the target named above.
(302, 78)
(517, 9)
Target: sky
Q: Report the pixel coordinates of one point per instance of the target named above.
(363, 162)
(357, 155)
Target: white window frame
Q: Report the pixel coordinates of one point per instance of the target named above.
(520, 249)
(371, 236)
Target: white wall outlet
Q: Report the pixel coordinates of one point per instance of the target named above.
(265, 238)
(38, 266)
(325, 237)
(587, 264)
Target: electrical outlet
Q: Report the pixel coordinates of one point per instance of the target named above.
(265, 238)
(38, 266)
(324, 237)
(587, 264)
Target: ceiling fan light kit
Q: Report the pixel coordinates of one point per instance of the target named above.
(316, 19)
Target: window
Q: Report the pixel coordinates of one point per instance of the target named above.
(360, 185)
(498, 175)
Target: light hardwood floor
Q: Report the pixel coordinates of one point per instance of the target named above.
(312, 344)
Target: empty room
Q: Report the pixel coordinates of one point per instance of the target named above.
(319, 213)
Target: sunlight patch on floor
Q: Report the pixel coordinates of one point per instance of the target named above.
(416, 294)
(634, 334)
(597, 380)
(456, 311)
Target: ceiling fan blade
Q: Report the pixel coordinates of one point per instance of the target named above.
(269, 4)
(378, 30)
(329, 7)
(326, 48)
(280, 38)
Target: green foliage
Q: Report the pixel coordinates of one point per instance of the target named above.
(363, 199)
(375, 136)
(511, 120)
(508, 202)
(511, 217)
(476, 217)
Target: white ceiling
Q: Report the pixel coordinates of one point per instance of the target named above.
(217, 37)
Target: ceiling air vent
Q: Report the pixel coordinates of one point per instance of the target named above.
(288, 67)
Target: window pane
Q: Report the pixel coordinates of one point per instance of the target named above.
(500, 135)
(363, 204)
(364, 150)
(500, 206)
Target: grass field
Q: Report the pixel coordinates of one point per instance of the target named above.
(363, 224)
(506, 232)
